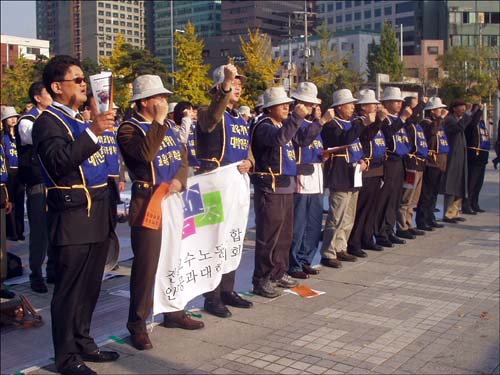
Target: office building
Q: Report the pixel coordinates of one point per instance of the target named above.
(89, 28)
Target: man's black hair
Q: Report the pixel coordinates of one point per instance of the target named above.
(35, 89)
(179, 109)
(56, 69)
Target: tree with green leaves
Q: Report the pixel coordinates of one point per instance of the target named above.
(260, 68)
(191, 75)
(385, 58)
(470, 73)
(16, 82)
(90, 67)
(373, 49)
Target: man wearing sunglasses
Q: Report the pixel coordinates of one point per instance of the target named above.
(75, 174)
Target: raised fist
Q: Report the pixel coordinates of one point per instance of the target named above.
(103, 121)
(369, 119)
(160, 111)
(229, 75)
(328, 116)
(382, 113)
(407, 112)
(301, 110)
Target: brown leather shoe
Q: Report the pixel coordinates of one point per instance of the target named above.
(179, 319)
(342, 255)
(334, 263)
(299, 275)
(141, 341)
(310, 270)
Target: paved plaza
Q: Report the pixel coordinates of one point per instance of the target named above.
(428, 307)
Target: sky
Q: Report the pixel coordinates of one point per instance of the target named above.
(18, 18)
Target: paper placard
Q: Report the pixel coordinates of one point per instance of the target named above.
(152, 218)
(102, 89)
(410, 179)
(358, 176)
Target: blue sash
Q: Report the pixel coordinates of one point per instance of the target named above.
(236, 139)
(377, 146)
(484, 138)
(167, 160)
(109, 149)
(10, 151)
(3, 166)
(422, 150)
(312, 153)
(401, 143)
(355, 150)
(442, 142)
(94, 171)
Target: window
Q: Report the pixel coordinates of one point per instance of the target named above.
(101, 28)
(33, 50)
(495, 17)
(347, 4)
(377, 12)
(338, 5)
(357, 16)
(368, 14)
(432, 50)
(108, 45)
(108, 5)
(406, 21)
(411, 72)
(115, 7)
(330, 20)
(108, 29)
(357, 3)
(100, 13)
(345, 46)
(122, 23)
(432, 73)
(387, 11)
(115, 14)
(493, 41)
(224, 52)
(101, 53)
(377, 26)
(100, 4)
(338, 19)
(329, 7)
(407, 6)
(367, 26)
(122, 8)
(108, 53)
(348, 17)
(455, 18)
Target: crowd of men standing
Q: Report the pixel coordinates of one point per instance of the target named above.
(381, 161)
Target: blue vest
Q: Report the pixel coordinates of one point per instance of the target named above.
(11, 151)
(93, 171)
(484, 138)
(401, 143)
(3, 166)
(377, 146)
(191, 147)
(442, 142)
(109, 149)
(421, 148)
(312, 153)
(168, 159)
(236, 139)
(355, 150)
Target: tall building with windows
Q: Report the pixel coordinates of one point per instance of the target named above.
(420, 19)
(172, 16)
(89, 28)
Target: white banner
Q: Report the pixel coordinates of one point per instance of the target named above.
(202, 239)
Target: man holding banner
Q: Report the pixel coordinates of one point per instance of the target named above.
(157, 165)
(222, 138)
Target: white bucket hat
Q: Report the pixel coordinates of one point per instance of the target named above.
(342, 96)
(367, 96)
(8, 112)
(274, 96)
(171, 107)
(218, 76)
(244, 110)
(433, 103)
(146, 86)
(391, 93)
(260, 101)
(307, 92)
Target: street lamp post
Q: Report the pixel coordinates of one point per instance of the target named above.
(173, 54)
(307, 52)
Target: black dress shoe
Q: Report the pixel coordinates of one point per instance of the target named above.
(334, 263)
(416, 232)
(468, 211)
(384, 242)
(371, 246)
(357, 253)
(449, 220)
(235, 300)
(77, 369)
(460, 219)
(298, 274)
(100, 356)
(39, 286)
(435, 224)
(216, 308)
(405, 234)
(478, 209)
(396, 240)
(310, 270)
(141, 341)
(425, 227)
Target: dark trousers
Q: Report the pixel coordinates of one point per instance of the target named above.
(428, 196)
(15, 220)
(146, 244)
(308, 217)
(78, 276)
(362, 231)
(388, 198)
(274, 231)
(39, 237)
(475, 184)
(226, 285)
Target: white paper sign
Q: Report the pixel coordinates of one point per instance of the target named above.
(202, 239)
(358, 176)
(101, 89)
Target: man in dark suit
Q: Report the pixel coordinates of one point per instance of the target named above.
(75, 174)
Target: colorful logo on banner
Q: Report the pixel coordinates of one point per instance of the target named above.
(200, 209)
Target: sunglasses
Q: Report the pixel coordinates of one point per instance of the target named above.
(77, 80)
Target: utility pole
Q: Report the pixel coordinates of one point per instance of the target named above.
(307, 51)
(289, 54)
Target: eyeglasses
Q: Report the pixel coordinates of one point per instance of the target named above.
(77, 80)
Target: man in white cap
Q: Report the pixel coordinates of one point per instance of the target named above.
(340, 169)
(76, 176)
(432, 125)
(373, 143)
(145, 140)
(222, 138)
(396, 140)
(274, 185)
(308, 198)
